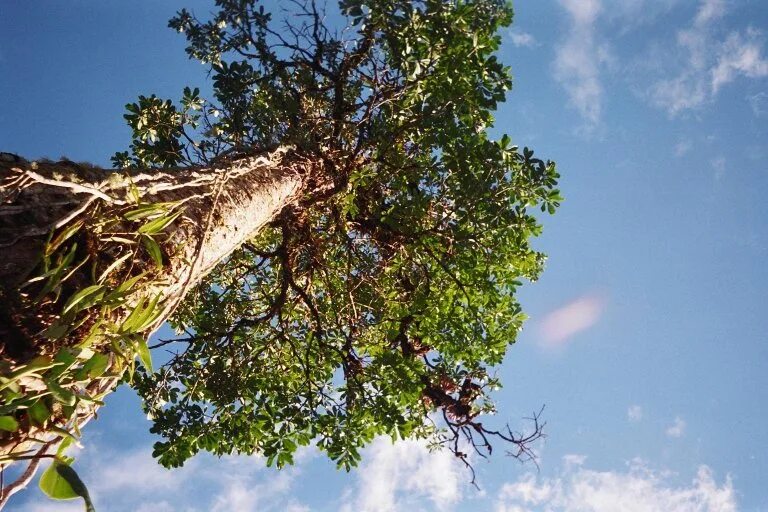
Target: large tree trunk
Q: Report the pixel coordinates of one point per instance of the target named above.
(220, 208)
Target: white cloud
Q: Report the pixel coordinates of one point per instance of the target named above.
(406, 476)
(520, 38)
(51, 506)
(236, 496)
(297, 507)
(136, 471)
(759, 103)
(705, 63)
(677, 428)
(134, 481)
(709, 10)
(634, 413)
(160, 506)
(584, 12)
(683, 147)
(739, 55)
(573, 459)
(578, 60)
(638, 489)
(719, 165)
(559, 326)
(630, 15)
(393, 476)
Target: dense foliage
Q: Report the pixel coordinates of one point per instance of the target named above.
(379, 302)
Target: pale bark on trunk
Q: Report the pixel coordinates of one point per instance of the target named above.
(222, 207)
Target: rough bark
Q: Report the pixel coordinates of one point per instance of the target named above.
(222, 206)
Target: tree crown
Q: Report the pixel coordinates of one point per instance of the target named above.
(379, 303)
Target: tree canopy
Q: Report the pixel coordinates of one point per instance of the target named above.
(379, 301)
(378, 304)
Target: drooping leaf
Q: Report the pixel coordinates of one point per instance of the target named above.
(144, 354)
(60, 482)
(153, 248)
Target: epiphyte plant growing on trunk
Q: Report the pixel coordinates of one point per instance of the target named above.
(333, 234)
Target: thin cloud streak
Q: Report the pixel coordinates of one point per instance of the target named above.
(639, 489)
(705, 63)
(578, 59)
(558, 327)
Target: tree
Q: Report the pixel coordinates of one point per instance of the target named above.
(333, 234)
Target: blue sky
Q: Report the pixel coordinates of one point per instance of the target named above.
(648, 340)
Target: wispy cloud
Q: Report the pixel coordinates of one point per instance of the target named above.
(578, 59)
(634, 413)
(638, 489)
(719, 165)
(740, 54)
(683, 147)
(520, 38)
(138, 471)
(759, 103)
(632, 14)
(677, 428)
(705, 63)
(709, 10)
(138, 483)
(559, 326)
(395, 476)
(401, 476)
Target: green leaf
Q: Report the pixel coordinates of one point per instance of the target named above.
(85, 298)
(157, 225)
(93, 368)
(148, 210)
(119, 261)
(153, 249)
(62, 237)
(61, 482)
(141, 317)
(59, 393)
(144, 354)
(37, 364)
(9, 423)
(38, 413)
(56, 331)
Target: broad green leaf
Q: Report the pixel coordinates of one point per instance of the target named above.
(61, 482)
(61, 394)
(93, 368)
(9, 423)
(36, 365)
(38, 412)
